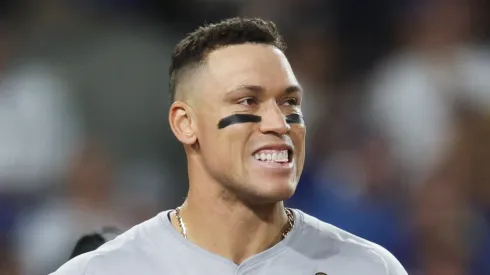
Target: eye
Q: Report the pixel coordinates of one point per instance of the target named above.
(248, 101)
(291, 102)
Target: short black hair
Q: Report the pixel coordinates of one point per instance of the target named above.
(87, 243)
(91, 242)
(193, 49)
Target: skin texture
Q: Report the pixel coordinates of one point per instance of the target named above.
(230, 193)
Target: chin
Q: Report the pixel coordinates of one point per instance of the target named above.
(270, 192)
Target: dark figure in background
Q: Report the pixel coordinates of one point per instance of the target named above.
(93, 241)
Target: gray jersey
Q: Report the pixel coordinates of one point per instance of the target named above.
(311, 248)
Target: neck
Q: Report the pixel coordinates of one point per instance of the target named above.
(229, 227)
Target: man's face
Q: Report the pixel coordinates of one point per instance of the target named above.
(258, 161)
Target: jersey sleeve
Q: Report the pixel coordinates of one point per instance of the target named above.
(76, 266)
(393, 266)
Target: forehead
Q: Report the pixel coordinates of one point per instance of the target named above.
(248, 64)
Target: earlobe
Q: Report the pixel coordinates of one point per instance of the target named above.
(180, 120)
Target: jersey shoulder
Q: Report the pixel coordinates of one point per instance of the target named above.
(116, 256)
(326, 236)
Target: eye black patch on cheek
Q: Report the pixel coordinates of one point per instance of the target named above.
(294, 118)
(238, 118)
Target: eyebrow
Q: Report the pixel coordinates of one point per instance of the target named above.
(293, 89)
(259, 89)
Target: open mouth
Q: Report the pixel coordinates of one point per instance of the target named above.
(282, 156)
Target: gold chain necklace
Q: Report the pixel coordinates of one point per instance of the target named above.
(183, 228)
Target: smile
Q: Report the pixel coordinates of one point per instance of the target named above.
(279, 156)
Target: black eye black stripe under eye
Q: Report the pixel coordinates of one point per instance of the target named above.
(248, 118)
(238, 118)
(294, 118)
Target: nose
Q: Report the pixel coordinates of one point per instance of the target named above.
(274, 121)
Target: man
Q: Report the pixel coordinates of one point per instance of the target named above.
(236, 110)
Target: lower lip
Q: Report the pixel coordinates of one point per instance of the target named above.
(282, 166)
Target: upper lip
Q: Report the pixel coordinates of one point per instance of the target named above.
(276, 146)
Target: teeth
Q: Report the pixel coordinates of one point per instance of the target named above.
(272, 156)
(263, 156)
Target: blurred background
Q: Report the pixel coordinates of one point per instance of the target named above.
(397, 109)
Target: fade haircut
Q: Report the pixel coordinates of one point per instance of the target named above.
(194, 48)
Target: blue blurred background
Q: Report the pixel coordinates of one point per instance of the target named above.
(397, 109)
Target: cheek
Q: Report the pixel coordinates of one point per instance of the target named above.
(298, 135)
(207, 138)
(234, 140)
(298, 132)
(224, 145)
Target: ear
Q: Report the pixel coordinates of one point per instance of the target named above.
(181, 122)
